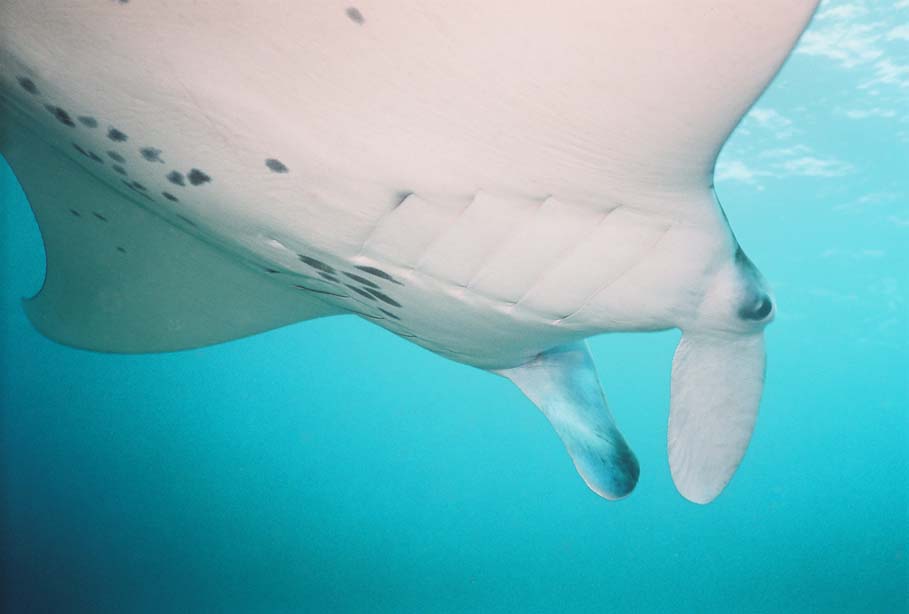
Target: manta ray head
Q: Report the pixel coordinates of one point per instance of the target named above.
(757, 305)
(717, 379)
(737, 299)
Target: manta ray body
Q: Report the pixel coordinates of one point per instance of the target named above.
(494, 181)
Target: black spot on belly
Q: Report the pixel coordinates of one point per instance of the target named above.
(272, 271)
(384, 298)
(88, 121)
(119, 169)
(328, 277)
(362, 293)
(389, 314)
(276, 165)
(116, 135)
(354, 14)
(75, 213)
(151, 154)
(137, 187)
(299, 287)
(60, 115)
(28, 85)
(316, 264)
(361, 280)
(89, 154)
(170, 197)
(378, 273)
(176, 178)
(121, 249)
(113, 155)
(197, 177)
(99, 216)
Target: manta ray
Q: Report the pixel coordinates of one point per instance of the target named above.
(494, 181)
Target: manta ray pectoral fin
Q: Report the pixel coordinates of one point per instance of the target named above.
(563, 383)
(121, 278)
(717, 381)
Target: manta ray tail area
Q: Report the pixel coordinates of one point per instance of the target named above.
(563, 383)
(121, 278)
(717, 380)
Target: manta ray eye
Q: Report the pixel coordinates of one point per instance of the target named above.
(757, 311)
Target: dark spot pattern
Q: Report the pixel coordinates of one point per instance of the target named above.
(151, 154)
(187, 220)
(89, 154)
(276, 165)
(378, 273)
(272, 271)
(390, 314)
(119, 169)
(60, 115)
(28, 85)
(369, 290)
(362, 280)
(354, 14)
(113, 155)
(316, 264)
(88, 121)
(117, 136)
(170, 197)
(299, 287)
(362, 293)
(75, 213)
(136, 187)
(121, 249)
(176, 178)
(99, 216)
(197, 177)
(384, 298)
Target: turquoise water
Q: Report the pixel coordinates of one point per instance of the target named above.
(331, 466)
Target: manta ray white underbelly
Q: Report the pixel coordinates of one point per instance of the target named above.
(493, 181)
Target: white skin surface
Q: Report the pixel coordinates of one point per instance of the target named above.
(455, 111)
(488, 181)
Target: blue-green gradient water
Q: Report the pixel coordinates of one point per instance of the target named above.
(331, 466)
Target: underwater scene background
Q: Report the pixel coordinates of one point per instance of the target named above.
(331, 466)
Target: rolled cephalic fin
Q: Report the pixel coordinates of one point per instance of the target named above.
(717, 381)
(563, 383)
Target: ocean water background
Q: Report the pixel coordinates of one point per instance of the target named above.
(331, 466)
